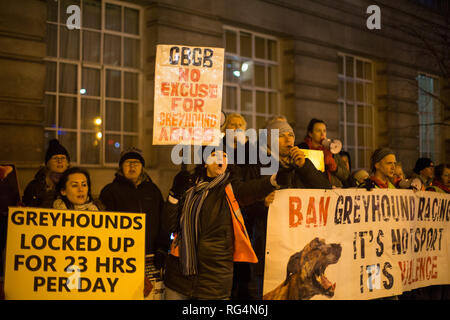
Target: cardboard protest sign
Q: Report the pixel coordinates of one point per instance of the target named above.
(66, 254)
(355, 244)
(188, 95)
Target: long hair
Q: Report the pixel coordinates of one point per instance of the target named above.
(310, 127)
(63, 181)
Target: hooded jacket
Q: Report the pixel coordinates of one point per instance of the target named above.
(123, 196)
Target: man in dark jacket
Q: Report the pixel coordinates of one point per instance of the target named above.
(133, 191)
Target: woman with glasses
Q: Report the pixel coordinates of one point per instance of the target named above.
(40, 192)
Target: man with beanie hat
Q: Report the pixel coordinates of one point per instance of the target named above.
(382, 165)
(40, 192)
(133, 190)
(424, 170)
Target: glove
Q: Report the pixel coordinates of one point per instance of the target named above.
(284, 176)
(368, 184)
(182, 181)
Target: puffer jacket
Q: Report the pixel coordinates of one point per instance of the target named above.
(37, 193)
(123, 196)
(215, 243)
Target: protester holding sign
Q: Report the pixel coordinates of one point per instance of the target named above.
(295, 171)
(211, 233)
(134, 191)
(40, 192)
(74, 191)
(336, 169)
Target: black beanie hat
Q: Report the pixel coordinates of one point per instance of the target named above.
(421, 164)
(54, 147)
(132, 153)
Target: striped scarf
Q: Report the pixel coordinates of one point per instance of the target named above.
(189, 222)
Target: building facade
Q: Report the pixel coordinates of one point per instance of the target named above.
(92, 87)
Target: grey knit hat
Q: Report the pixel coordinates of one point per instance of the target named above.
(282, 125)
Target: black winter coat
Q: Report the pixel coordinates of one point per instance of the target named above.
(215, 243)
(123, 196)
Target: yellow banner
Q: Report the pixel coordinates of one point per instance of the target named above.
(66, 254)
(355, 244)
(188, 95)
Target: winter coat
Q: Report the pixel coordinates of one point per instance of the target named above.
(38, 193)
(215, 242)
(123, 196)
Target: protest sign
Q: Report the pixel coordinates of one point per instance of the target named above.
(66, 254)
(316, 157)
(355, 244)
(188, 95)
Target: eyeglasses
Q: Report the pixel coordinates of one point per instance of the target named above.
(59, 159)
(131, 163)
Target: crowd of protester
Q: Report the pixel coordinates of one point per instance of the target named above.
(216, 213)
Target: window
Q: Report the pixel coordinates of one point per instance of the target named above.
(92, 94)
(251, 80)
(356, 110)
(429, 116)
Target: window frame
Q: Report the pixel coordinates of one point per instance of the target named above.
(103, 68)
(343, 102)
(433, 151)
(253, 88)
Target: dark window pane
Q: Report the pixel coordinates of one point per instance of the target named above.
(113, 19)
(112, 116)
(113, 84)
(90, 82)
(112, 148)
(69, 43)
(90, 148)
(67, 112)
(90, 114)
(112, 50)
(131, 53)
(131, 21)
(91, 46)
(92, 11)
(68, 78)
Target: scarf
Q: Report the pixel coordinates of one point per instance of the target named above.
(189, 222)
(88, 206)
